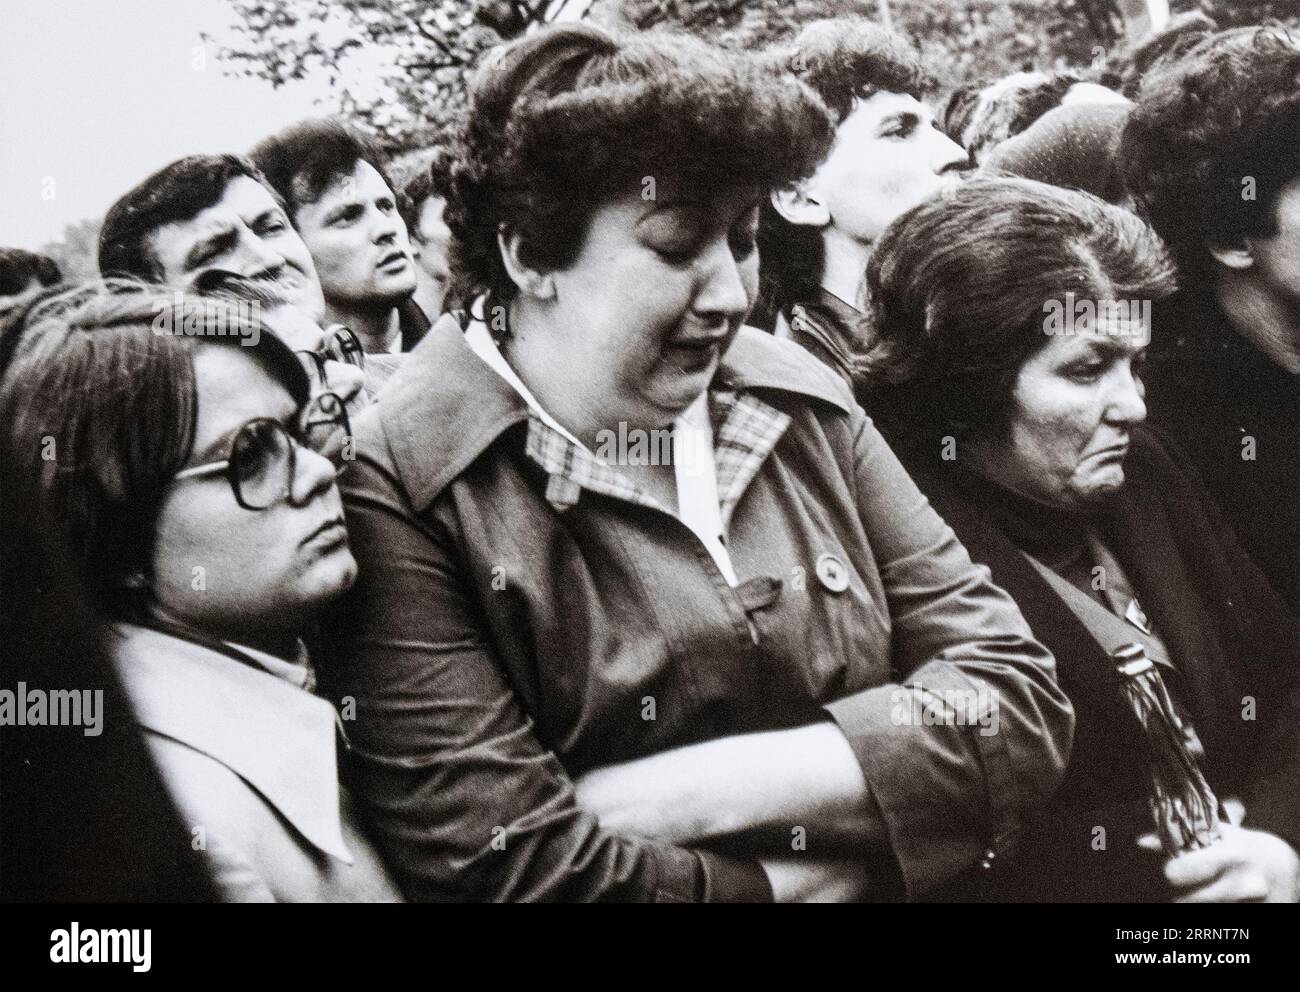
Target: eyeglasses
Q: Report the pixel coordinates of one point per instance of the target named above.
(263, 453)
(339, 345)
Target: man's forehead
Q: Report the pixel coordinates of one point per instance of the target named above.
(887, 103)
(362, 182)
(243, 198)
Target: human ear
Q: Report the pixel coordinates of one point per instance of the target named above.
(531, 282)
(797, 205)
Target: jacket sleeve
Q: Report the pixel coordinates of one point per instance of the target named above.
(462, 799)
(974, 731)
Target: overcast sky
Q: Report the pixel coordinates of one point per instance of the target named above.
(96, 94)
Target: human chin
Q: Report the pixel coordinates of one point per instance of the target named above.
(676, 381)
(1099, 482)
(327, 575)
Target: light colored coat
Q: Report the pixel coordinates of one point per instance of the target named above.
(249, 760)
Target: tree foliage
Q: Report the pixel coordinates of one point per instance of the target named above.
(76, 250)
(418, 55)
(428, 49)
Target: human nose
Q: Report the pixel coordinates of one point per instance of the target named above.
(946, 155)
(387, 227)
(724, 294)
(257, 258)
(1126, 403)
(313, 476)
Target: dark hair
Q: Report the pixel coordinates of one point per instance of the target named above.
(958, 288)
(1182, 32)
(843, 60)
(174, 193)
(302, 161)
(573, 115)
(959, 110)
(98, 412)
(1226, 111)
(18, 268)
(432, 180)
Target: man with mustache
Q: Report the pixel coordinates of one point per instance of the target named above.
(340, 199)
(210, 224)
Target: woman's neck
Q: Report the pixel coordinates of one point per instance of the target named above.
(281, 642)
(558, 386)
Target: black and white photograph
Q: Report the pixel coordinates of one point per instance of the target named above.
(697, 451)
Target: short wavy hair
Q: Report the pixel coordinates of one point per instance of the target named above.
(958, 288)
(1226, 111)
(99, 410)
(301, 161)
(176, 192)
(572, 116)
(844, 60)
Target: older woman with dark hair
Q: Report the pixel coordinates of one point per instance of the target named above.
(178, 456)
(643, 596)
(1013, 319)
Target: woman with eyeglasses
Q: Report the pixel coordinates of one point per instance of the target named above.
(192, 477)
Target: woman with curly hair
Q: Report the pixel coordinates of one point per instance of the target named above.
(645, 603)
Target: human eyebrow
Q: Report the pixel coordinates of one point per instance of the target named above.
(219, 448)
(267, 216)
(210, 246)
(905, 119)
(345, 211)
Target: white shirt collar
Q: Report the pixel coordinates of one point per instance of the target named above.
(693, 463)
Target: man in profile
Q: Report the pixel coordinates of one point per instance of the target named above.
(425, 198)
(815, 237)
(1211, 154)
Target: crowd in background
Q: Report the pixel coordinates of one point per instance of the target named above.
(969, 570)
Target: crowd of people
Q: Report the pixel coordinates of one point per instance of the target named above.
(715, 476)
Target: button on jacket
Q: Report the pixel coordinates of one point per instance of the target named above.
(522, 617)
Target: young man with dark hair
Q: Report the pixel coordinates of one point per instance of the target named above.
(424, 200)
(23, 271)
(815, 237)
(1212, 156)
(206, 222)
(336, 186)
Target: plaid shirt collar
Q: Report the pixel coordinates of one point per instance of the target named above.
(431, 435)
(745, 430)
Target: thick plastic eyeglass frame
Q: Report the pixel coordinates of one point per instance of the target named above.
(227, 465)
